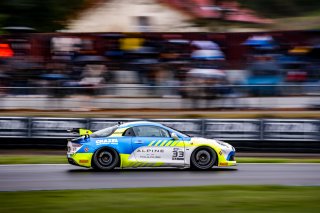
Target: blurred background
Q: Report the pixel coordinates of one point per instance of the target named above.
(201, 59)
(243, 71)
(104, 54)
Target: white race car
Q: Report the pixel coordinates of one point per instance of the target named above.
(147, 144)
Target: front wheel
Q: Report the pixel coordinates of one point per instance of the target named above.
(203, 158)
(105, 159)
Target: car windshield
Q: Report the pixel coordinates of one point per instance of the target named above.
(104, 132)
(181, 133)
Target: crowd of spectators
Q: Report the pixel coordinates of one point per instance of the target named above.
(195, 68)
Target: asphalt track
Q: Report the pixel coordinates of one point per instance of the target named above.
(57, 177)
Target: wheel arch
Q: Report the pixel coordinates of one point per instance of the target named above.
(206, 147)
(107, 148)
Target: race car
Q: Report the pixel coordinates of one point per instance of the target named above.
(146, 144)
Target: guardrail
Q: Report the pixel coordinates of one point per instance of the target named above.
(224, 129)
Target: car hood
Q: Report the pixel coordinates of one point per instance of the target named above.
(214, 142)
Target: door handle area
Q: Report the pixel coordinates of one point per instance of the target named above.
(138, 142)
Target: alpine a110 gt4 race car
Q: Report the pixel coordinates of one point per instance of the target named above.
(146, 144)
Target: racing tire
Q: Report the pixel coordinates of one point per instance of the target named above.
(203, 158)
(105, 159)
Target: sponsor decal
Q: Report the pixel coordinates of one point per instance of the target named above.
(83, 161)
(107, 141)
(150, 153)
(150, 156)
(223, 164)
(86, 149)
(151, 150)
(220, 153)
(177, 154)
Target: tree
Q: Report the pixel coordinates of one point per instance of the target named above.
(43, 15)
(282, 8)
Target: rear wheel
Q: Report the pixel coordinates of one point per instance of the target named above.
(203, 158)
(105, 159)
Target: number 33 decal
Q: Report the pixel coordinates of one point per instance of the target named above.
(178, 154)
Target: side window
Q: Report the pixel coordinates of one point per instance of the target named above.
(150, 131)
(129, 132)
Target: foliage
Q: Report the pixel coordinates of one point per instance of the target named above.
(282, 8)
(43, 15)
(51, 15)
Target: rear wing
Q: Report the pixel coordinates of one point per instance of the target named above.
(81, 132)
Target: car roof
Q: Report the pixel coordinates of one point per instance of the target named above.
(140, 123)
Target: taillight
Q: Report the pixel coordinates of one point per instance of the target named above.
(76, 145)
(5, 51)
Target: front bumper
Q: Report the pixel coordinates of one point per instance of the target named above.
(229, 159)
(228, 163)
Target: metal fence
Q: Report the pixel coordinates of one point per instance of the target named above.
(224, 129)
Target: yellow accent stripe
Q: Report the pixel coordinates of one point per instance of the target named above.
(142, 165)
(134, 164)
(146, 165)
(137, 164)
(152, 142)
(174, 143)
(158, 143)
(158, 164)
(169, 142)
(163, 142)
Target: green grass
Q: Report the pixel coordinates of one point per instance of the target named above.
(32, 159)
(56, 159)
(166, 200)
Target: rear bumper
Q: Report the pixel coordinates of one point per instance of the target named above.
(80, 159)
(72, 162)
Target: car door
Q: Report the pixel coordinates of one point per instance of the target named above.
(154, 145)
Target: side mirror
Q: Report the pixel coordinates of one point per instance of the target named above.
(174, 136)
